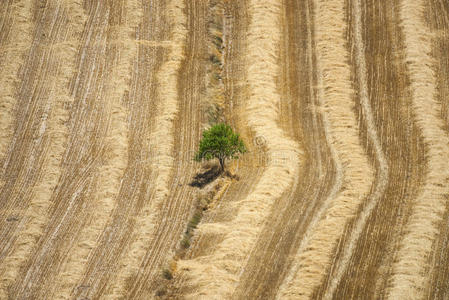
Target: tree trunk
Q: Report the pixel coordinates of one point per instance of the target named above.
(222, 162)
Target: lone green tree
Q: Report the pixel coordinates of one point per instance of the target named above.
(220, 142)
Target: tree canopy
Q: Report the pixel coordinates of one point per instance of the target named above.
(220, 142)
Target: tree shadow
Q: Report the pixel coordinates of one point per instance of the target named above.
(206, 177)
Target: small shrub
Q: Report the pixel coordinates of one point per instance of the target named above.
(215, 60)
(167, 274)
(185, 243)
(195, 220)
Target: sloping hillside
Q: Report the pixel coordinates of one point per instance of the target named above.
(343, 105)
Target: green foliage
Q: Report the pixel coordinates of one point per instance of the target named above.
(167, 274)
(191, 226)
(194, 221)
(220, 142)
(215, 60)
(185, 243)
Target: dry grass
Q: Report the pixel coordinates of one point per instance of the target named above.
(37, 212)
(116, 153)
(161, 141)
(20, 39)
(215, 276)
(335, 94)
(411, 267)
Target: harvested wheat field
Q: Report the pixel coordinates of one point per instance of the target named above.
(344, 109)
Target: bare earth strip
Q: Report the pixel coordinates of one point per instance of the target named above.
(15, 40)
(41, 134)
(162, 141)
(174, 212)
(438, 19)
(250, 167)
(125, 17)
(412, 265)
(89, 121)
(382, 168)
(136, 185)
(215, 275)
(335, 91)
(235, 93)
(295, 212)
(362, 271)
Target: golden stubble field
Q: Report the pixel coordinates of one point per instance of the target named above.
(343, 104)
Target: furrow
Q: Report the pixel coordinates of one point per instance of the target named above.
(136, 186)
(366, 266)
(16, 21)
(335, 92)
(116, 149)
(88, 124)
(162, 141)
(251, 166)
(216, 275)
(438, 18)
(300, 209)
(174, 212)
(412, 264)
(52, 132)
(233, 63)
(15, 40)
(381, 183)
